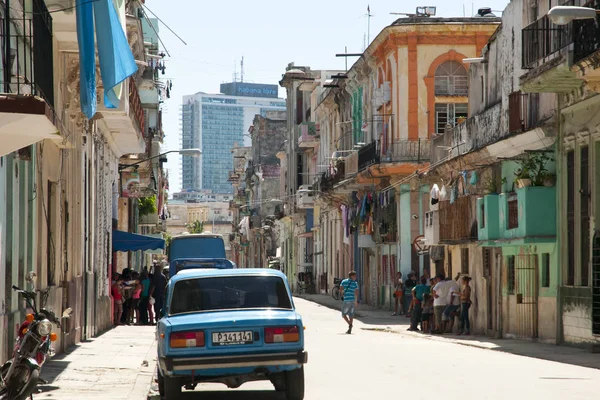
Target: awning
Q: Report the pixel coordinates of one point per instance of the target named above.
(125, 241)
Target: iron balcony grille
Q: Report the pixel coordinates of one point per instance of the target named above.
(586, 35)
(542, 39)
(378, 152)
(27, 52)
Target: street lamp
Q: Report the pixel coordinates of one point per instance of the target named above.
(183, 152)
(562, 15)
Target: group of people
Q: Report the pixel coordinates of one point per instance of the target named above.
(139, 296)
(435, 302)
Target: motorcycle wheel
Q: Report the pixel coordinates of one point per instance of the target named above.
(23, 383)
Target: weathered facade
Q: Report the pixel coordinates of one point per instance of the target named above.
(57, 181)
(568, 67)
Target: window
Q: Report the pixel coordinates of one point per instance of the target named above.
(511, 274)
(487, 262)
(227, 293)
(482, 219)
(464, 261)
(545, 270)
(449, 113)
(513, 212)
(451, 79)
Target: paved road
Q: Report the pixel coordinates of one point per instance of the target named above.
(380, 365)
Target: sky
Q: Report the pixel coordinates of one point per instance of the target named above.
(269, 34)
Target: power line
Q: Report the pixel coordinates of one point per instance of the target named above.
(163, 22)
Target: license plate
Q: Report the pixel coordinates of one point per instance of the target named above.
(232, 338)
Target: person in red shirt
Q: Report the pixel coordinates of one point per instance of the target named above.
(117, 293)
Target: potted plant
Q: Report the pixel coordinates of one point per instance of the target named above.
(532, 169)
(523, 177)
(549, 179)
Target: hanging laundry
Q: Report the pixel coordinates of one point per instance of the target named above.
(434, 194)
(474, 178)
(443, 193)
(465, 180)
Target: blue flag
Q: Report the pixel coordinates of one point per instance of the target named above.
(115, 57)
(87, 57)
(116, 60)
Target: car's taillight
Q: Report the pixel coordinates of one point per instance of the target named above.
(187, 339)
(282, 334)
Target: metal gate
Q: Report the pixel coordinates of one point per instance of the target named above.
(526, 290)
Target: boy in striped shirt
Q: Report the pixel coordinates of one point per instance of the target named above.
(349, 292)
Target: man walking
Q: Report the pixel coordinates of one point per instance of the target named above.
(349, 293)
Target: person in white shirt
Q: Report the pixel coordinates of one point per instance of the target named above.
(453, 304)
(440, 296)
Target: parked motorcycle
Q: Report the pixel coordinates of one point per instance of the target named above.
(20, 375)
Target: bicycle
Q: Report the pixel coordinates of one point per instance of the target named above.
(335, 291)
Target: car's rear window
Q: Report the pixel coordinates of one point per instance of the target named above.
(229, 292)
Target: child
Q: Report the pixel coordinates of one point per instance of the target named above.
(117, 293)
(427, 312)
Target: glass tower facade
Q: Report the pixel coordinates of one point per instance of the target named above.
(215, 123)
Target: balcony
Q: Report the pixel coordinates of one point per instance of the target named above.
(396, 151)
(488, 221)
(528, 215)
(542, 39)
(27, 79)
(458, 221)
(126, 122)
(432, 228)
(586, 36)
(368, 155)
(308, 134)
(233, 177)
(149, 219)
(544, 46)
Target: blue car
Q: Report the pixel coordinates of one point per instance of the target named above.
(230, 326)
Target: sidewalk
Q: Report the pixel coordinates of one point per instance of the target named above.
(381, 320)
(119, 364)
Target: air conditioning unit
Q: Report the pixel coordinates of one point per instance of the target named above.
(432, 228)
(305, 197)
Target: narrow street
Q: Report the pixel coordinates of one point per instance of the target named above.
(366, 364)
(379, 365)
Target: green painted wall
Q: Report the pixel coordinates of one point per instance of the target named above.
(405, 231)
(537, 212)
(538, 250)
(491, 229)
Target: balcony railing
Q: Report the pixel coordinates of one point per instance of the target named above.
(26, 47)
(135, 105)
(409, 151)
(368, 155)
(542, 39)
(308, 134)
(586, 35)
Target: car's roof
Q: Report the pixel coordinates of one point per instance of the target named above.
(209, 273)
(199, 235)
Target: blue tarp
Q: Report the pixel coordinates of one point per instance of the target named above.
(125, 241)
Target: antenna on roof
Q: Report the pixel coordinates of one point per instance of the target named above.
(369, 15)
(235, 75)
(242, 65)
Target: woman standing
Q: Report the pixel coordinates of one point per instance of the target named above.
(145, 281)
(465, 304)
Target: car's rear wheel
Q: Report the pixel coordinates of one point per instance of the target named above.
(161, 383)
(294, 384)
(172, 388)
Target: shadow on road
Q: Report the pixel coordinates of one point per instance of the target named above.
(228, 395)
